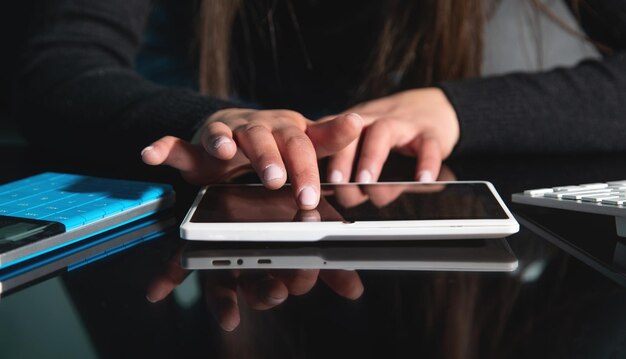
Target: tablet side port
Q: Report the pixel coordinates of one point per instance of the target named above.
(221, 262)
(264, 261)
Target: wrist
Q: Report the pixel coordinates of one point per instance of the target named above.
(447, 113)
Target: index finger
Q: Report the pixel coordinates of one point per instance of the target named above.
(331, 136)
(301, 161)
(220, 288)
(429, 159)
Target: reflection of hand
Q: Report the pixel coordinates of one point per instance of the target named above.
(419, 123)
(261, 289)
(276, 143)
(380, 195)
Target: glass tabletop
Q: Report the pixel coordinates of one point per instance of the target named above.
(141, 302)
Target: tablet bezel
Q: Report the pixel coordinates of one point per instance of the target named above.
(358, 230)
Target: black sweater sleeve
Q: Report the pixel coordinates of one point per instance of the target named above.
(565, 110)
(77, 85)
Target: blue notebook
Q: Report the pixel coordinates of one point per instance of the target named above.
(50, 210)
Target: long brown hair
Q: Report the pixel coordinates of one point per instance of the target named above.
(420, 43)
(214, 33)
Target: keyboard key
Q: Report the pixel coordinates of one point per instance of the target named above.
(89, 214)
(32, 214)
(78, 199)
(39, 212)
(13, 197)
(598, 197)
(107, 205)
(50, 197)
(5, 212)
(538, 191)
(69, 221)
(581, 194)
(566, 188)
(575, 194)
(614, 201)
(594, 185)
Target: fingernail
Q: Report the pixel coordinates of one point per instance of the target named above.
(308, 197)
(355, 117)
(218, 142)
(156, 293)
(271, 298)
(364, 176)
(149, 148)
(425, 176)
(356, 293)
(272, 172)
(229, 327)
(221, 309)
(335, 177)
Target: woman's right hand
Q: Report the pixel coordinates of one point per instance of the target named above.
(278, 144)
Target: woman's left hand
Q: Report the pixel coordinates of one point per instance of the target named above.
(420, 123)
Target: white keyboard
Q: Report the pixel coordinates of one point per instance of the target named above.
(608, 198)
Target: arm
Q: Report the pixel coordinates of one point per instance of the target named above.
(565, 110)
(77, 78)
(78, 90)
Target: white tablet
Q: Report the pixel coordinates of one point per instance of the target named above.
(478, 255)
(374, 211)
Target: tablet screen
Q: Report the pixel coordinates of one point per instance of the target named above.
(352, 203)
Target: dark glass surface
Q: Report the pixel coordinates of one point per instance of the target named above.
(559, 303)
(402, 202)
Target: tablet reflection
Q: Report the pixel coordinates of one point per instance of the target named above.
(265, 275)
(261, 289)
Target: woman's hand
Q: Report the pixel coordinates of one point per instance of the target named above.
(276, 143)
(420, 123)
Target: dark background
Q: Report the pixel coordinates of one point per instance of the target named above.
(14, 26)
